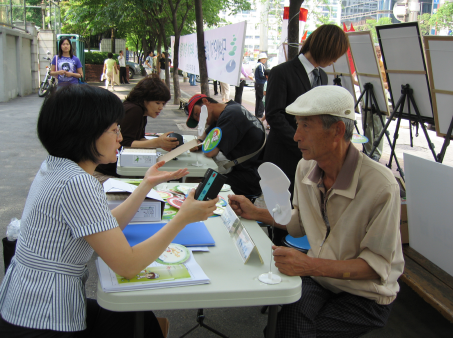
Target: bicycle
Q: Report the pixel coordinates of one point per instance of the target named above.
(49, 81)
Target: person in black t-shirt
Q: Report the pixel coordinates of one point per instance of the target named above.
(242, 134)
(162, 61)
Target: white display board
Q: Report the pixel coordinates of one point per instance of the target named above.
(439, 54)
(224, 48)
(367, 66)
(341, 68)
(430, 215)
(404, 61)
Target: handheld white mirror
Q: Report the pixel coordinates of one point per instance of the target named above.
(200, 129)
(202, 120)
(274, 185)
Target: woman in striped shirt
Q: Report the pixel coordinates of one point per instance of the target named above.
(66, 217)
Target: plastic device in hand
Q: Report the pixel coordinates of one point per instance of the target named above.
(211, 185)
(178, 137)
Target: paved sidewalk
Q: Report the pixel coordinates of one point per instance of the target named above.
(21, 156)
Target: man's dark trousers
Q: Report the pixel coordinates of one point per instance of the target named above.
(123, 77)
(238, 92)
(259, 106)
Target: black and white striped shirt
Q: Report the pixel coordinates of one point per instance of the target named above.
(44, 287)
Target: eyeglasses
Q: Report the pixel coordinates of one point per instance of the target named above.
(117, 131)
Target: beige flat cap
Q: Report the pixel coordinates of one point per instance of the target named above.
(328, 100)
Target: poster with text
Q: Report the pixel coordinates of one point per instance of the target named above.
(224, 48)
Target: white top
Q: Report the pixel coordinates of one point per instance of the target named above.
(122, 61)
(44, 287)
(308, 67)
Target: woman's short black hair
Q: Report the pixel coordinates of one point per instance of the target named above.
(110, 55)
(72, 118)
(150, 88)
(60, 51)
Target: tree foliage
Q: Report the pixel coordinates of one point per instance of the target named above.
(371, 26)
(443, 19)
(424, 22)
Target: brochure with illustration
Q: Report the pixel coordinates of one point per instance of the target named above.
(154, 276)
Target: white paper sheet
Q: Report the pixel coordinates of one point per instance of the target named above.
(112, 185)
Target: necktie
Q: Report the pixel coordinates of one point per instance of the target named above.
(316, 78)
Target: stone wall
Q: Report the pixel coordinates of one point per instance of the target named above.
(18, 62)
(46, 49)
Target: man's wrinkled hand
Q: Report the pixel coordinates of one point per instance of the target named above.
(242, 206)
(292, 262)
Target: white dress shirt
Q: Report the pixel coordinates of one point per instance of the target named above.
(308, 67)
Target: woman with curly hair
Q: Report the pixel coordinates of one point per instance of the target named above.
(147, 99)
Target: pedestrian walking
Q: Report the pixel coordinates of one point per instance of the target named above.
(109, 71)
(163, 61)
(149, 63)
(192, 80)
(225, 89)
(246, 72)
(122, 62)
(260, 80)
(215, 83)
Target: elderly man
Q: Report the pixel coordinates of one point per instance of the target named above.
(348, 206)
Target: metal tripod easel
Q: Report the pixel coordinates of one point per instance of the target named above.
(371, 106)
(406, 95)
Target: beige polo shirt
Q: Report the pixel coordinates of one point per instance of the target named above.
(363, 211)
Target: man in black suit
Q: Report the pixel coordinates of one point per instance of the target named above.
(286, 83)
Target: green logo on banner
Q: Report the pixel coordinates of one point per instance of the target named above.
(356, 138)
(212, 140)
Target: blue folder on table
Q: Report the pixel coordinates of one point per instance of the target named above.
(193, 234)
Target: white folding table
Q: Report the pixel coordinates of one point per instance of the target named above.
(233, 283)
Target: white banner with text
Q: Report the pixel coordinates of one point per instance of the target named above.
(224, 48)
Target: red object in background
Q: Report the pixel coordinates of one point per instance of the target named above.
(351, 61)
(302, 15)
(304, 37)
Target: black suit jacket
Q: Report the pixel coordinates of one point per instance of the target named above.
(286, 83)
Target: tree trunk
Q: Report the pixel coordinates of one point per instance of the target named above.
(201, 51)
(87, 42)
(144, 45)
(167, 70)
(293, 28)
(159, 47)
(175, 51)
(113, 41)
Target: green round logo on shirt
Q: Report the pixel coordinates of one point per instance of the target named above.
(212, 140)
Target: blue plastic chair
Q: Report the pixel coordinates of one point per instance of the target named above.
(300, 243)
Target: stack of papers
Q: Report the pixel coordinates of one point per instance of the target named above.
(154, 276)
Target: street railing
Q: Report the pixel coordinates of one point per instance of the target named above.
(15, 14)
